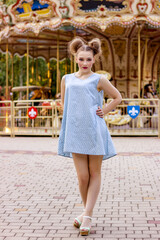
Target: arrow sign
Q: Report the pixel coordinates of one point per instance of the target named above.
(32, 112)
(133, 111)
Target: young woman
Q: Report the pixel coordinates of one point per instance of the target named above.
(84, 135)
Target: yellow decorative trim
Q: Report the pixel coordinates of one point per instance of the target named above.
(24, 15)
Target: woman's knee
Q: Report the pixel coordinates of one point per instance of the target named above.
(95, 174)
(95, 163)
(83, 178)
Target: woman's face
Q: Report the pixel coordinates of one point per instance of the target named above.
(85, 60)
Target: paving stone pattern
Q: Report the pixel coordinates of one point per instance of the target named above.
(39, 195)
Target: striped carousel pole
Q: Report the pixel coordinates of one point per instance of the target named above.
(139, 61)
(145, 65)
(75, 64)
(12, 57)
(27, 97)
(7, 71)
(7, 83)
(58, 72)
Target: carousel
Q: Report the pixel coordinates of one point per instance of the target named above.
(129, 32)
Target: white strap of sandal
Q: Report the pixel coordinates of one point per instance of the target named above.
(88, 217)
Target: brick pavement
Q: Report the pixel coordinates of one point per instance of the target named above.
(39, 194)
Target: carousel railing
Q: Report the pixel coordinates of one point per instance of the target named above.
(147, 123)
(43, 124)
(6, 114)
(58, 117)
(14, 119)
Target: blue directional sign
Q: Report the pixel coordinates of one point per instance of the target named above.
(133, 111)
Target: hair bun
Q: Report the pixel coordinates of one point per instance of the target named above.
(80, 44)
(75, 44)
(95, 44)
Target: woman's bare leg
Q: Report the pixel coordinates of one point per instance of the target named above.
(95, 162)
(81, 162)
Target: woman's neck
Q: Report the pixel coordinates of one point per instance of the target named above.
(80, 73)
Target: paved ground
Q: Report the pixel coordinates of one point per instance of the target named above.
(39, 194)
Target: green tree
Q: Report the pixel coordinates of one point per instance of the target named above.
(8, 2)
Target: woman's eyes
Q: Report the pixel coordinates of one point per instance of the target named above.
(88, 59)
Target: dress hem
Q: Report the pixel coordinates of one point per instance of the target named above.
(69, 155)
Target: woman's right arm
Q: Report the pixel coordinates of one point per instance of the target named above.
(62, 90)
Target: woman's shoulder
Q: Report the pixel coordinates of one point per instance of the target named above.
(67, 75)
(103, 76)
(98, 75)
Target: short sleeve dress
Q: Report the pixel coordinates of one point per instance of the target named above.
(82, 130)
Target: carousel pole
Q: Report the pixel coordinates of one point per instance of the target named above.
(75, 64)
(7, 83)
(36, 71)
(49, 73)
(33, 67)
(71, 64)
(27, 97)
(12, 109)
(58, 73)
(139, 61)
(145, 64)
(12, 72)
(159, 83)
(66, 65)
(7, 71)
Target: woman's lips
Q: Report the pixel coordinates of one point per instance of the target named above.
(84, 67)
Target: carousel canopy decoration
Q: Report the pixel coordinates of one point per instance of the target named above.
(37, 15)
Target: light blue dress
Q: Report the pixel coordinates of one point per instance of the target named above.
(82, 130)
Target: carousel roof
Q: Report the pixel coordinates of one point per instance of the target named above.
(39, 21)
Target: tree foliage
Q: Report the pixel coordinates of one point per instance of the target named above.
(38, 72)
(9, 2)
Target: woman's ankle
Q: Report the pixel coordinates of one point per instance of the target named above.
(88, 213)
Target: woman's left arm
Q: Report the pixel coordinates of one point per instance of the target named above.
(104, 84)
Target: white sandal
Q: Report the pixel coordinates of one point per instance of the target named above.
(85, 231)
(77, 223)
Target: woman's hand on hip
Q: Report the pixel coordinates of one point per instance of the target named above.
(100, 112)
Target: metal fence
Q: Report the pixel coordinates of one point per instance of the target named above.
(43, 124)
(14, 119)
(6, 124)
(147, 123)
(58, 117)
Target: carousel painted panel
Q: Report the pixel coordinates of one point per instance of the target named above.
(101, 6)
(65, 8)
(4, 17)
(133, 71)
(156, 68)
(142, 7)
(120, 55)
(31, 10)
(107, 61)
(122, 87)
(133, 89)
(151, 55)
(38, 9)
(157, 7)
